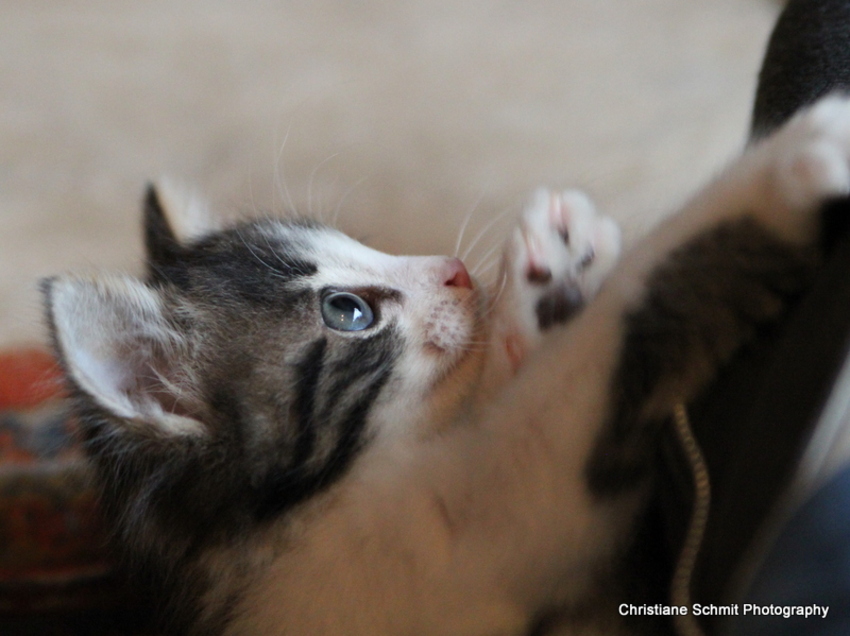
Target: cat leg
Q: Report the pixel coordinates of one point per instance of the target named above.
(558, 257)
(747, 245)
(684, 300)
(553, 263)
(567, 448)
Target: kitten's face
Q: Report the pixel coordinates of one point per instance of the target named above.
(277, 291)
(429, 302)
(286, 345)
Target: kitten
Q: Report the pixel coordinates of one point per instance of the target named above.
(290, 431)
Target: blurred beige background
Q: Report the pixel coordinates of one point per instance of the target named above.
(398, 118)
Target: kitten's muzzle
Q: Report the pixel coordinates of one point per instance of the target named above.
(456, 275)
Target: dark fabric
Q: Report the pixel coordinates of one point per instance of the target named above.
(807, 57)
(755, 420)
(808, 565)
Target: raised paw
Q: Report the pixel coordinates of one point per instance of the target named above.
(810, 155)
(562, 251)
(554, 262)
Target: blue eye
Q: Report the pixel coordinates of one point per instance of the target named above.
(346, 312)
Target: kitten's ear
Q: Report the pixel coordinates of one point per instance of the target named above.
(173, 216)
(119, 349)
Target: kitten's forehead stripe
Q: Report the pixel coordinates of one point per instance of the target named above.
(245, 263)
(259, 262)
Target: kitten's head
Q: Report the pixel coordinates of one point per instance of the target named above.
(255, 363)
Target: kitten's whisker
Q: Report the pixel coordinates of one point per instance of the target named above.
(345, 196)
(275, 272)
(333, 188)
(489, 264)
(280, 181)
(472, 344)
(254, 209)
(476, 348)
(462, 231)
(466, 221)
(493, 302)
(276, 255)
(310, 210)
(485, 257)
(288, 267)
(482, 233)
(482, 271)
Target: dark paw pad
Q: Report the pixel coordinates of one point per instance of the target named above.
(558, 306)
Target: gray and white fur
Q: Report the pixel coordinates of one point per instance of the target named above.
(297, 435)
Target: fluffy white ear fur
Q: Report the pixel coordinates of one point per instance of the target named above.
(186, 213)
(119, 348)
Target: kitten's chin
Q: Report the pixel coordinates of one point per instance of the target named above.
(450, 351)
(433, 349)
(453, 384)
(458, 367)
(445, 360)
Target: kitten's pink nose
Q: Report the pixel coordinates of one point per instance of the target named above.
(455, 274)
